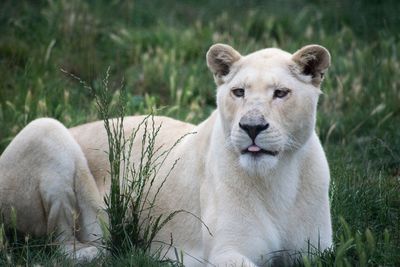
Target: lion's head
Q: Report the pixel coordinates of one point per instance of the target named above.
(267, 100)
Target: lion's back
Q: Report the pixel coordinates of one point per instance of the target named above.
(92, 137)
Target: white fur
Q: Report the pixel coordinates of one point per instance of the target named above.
(253, 206)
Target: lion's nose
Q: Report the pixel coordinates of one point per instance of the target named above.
(253, 130)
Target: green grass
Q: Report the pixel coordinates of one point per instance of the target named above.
(159, 48)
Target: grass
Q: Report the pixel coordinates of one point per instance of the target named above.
(159, 49)
(130, 205)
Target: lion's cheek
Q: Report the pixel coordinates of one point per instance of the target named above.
(297, 120)
(229, 111)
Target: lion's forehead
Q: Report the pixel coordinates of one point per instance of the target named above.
(269, 53)
(263, 77)
(267, 67)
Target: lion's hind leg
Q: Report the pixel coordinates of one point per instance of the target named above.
(48, 182)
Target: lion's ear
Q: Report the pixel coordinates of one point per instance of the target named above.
(220, 58)
(313, 60)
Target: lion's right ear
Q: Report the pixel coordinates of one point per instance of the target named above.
(220, 58)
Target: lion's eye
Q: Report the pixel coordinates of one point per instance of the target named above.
(238, 92)
(281, 93)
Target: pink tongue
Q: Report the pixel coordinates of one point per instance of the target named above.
(253, 148)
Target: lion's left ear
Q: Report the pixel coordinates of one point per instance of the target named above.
(313, 60)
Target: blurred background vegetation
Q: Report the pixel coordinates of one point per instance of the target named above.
(157, 50)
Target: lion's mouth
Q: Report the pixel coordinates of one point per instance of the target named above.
(256, 150)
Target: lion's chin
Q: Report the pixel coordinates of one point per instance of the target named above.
(259, 164)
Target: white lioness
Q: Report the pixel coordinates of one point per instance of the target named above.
(254, 172)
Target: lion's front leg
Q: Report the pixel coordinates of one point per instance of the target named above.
(238, 246)
(239, 237)
(44, 177)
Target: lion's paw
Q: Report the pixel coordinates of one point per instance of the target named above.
(82, 253)
(86, 254)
